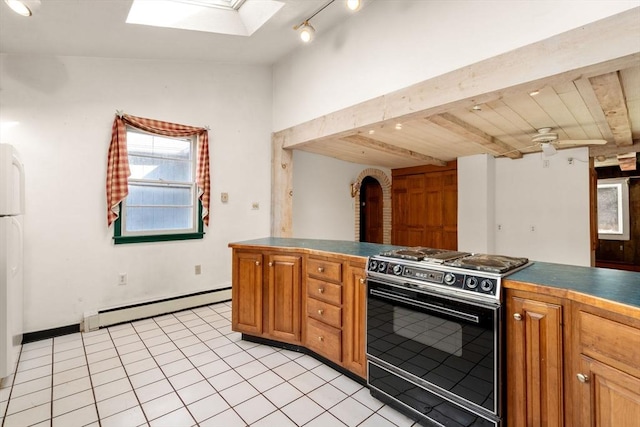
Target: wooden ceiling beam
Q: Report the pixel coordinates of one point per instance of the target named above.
(471, 133)
(608, 151)
(608, 90)
(371, 143)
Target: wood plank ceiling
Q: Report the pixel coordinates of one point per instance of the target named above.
(602, 107)
(583, 84)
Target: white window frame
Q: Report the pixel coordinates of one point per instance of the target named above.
(192, 185)
(622, 186)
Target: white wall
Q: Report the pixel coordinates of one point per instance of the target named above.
(538, 212)
(389, 45)
(66, 107)
(322, 204)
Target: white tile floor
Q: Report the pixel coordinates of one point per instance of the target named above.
(181, 369)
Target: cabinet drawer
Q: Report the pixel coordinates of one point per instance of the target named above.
(327, 313)
(610, 342)
(324, 340)
(327, 270)
(324, 291)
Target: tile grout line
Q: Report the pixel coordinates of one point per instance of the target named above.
(93, 390)
(13, 383)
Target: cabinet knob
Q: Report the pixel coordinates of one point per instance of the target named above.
(320, 269)
(517, 316)
(583, 378)
(321, 338)
(270, 264)
(257, 262)
(321, 290)
(362, 281)
(320, 311)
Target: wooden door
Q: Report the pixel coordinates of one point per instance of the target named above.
(354, 332)
(608, 397)
(534, 363)
(284, 298)
(246, 293)
(371, 211)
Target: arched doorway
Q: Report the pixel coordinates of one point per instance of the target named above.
(382, 182)
(371, 217)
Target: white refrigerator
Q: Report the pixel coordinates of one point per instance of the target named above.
(11, 258)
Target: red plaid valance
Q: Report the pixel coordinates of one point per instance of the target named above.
(118, 162)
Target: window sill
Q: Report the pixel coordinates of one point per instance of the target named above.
(121, 240)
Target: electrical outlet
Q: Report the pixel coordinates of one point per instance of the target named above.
(533, 228)
(198, 269)
(545, 163)
(499, 227)
(122, 279)
(224, 197)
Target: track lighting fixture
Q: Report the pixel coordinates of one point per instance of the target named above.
(307, 31)
(354, 4)
(20, 7)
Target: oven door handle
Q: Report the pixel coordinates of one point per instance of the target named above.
(443, 310)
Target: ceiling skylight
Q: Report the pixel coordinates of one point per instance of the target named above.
(233, 17)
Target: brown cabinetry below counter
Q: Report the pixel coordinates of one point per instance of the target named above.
(534, 360)
(312, 301)
(607, 369)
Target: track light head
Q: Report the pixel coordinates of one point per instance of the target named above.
(354, 4)
(306, 32)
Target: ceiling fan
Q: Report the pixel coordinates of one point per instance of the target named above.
(549, 142)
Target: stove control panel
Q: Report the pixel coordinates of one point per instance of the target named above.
(418, 276)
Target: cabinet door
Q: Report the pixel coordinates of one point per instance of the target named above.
(534, 363)
(355, 299)
(608, 397)
(246, 293)
(284, 289)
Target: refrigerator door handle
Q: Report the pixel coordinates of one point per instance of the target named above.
(18, 164)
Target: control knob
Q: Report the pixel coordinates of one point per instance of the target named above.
(486, 285)
(449, 279)
(373, 265)
(382, 266)
(397, 270)
(472, 283)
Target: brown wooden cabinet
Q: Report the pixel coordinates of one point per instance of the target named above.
(246, 292)
(425, 206)
(267, 296)
(354, 329)
(324, 307)
(284, 287)
(534, 360)
(607, 372)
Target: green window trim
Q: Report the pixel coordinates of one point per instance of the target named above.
(119, 239)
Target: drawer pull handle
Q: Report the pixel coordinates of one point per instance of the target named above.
(320, 311)
(257, 262)
(270, 264)
(320, 269)
(320, 338)
(583, 378)
(517, 316)
(321, 290)
(361, 281)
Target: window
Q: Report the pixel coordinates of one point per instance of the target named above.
(162, 203)
(613, 209)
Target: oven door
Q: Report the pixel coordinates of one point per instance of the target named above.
(448, 346)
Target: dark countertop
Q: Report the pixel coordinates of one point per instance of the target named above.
(612, 285)
(342, 247)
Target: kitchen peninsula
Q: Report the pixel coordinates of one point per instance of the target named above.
(571, 332)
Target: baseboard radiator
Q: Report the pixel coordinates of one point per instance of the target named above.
(128, 313)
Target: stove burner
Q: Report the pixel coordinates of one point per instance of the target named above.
(425, 254)
(491, 263)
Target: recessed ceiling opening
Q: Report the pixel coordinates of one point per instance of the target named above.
(231, 17)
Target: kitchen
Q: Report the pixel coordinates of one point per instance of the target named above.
(66, 105)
